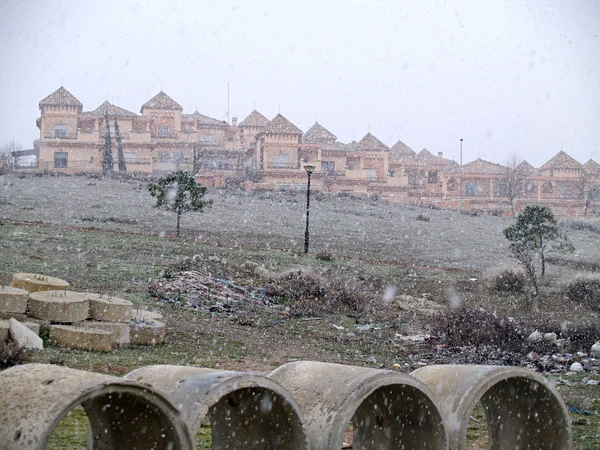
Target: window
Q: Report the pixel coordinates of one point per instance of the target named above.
(372, 174)
(281, 160)
(208, 138)
(113, 133)
(547, 187)
(60, 131)
(328, 167)
(529, 187)
(451, 185)
(61, 160)
(130, 157)
(164, 157)
(88, 130)
(432, 177)
(470, 190)
(163, 131)
(178, 157)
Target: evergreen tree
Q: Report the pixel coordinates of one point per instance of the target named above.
(179, 192)
(107, 160)
(120, 156)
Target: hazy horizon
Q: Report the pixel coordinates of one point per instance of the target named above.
(507, 78)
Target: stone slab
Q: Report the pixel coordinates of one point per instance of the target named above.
(146, 332)
(35, 282)
(118, 330)
(23, 336)
(109, 309)
(80, 337)
(13, 299)
(142, 314)
(59, 306)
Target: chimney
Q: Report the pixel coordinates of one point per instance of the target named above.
(441, 154)
(234, 121)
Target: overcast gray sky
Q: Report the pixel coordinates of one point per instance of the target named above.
(507, 76)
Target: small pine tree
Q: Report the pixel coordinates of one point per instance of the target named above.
(107, 160)
(179, 192)
(535, 233)
(120, 156)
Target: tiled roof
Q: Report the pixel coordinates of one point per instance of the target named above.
(401, 150)
(111, 109)
(525, 168)
(591, 165)
(203, 120)
(162, 101)
(318, 134)
(61, 97)
(561, 161)
(425, 154)
(254, 119)
(370, 143)
(280, 125)
(483, 167)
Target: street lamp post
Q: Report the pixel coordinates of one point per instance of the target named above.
(461, 176)
(309, 170)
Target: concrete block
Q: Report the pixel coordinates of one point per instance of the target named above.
(23, 336)
(142, 314)
(13, 299)
(146, 332)
(246, 410)
(522, 409)
(109, 309)
(34, 398)
(119, 331)
(388, 409)
(34, 282)
(4, 330)
(59, 306)
(80, 337)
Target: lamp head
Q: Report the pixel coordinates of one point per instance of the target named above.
(309, 169)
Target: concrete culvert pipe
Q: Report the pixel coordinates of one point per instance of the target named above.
(387, 409)
(246, 410)
(523, 410)
(34, 398)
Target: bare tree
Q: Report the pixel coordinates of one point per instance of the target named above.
(512, 182)
(7, 149)
(588, 186)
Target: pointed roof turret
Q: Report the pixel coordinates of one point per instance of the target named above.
(484, 167)
(561, 161)
(401, 150)
(318, 134)
(280, 125)
(161, 101)
(370, 143)
(591, 165)
(204, 120)
(61, 97)
(525, 168)
(254, 119)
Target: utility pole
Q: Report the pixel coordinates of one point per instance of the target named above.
(461, 175)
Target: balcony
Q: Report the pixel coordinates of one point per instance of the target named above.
(53, 135)
(287, 166)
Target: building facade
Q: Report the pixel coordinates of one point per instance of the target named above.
(271, 154)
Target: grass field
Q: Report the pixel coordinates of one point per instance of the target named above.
(105, 236)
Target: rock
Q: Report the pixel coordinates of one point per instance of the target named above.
(533, 356)
(576, 367)
(592, 383)
(550, 337)
(23, 336)
(250, 265)
(595, 351)
(214, 259)
(535, 336)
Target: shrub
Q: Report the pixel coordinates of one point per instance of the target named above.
(510, 281)
(584, 225)
(585, 290)
(309, 293)
(12, 355)
(324, 255)
(423, 218)
(464, 326)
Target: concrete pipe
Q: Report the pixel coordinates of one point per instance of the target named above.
(35, 282)
(34, 398)
(523, 410)
(388, 410)
(246, 410)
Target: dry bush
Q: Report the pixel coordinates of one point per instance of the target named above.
(308, 293)
(464, 326)
(509, 280)
(585, 290)
(324, 255)
(12, 355)
(423, 218)
(584, 225)
(582, 338)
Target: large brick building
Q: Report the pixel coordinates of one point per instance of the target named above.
(272, 153)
